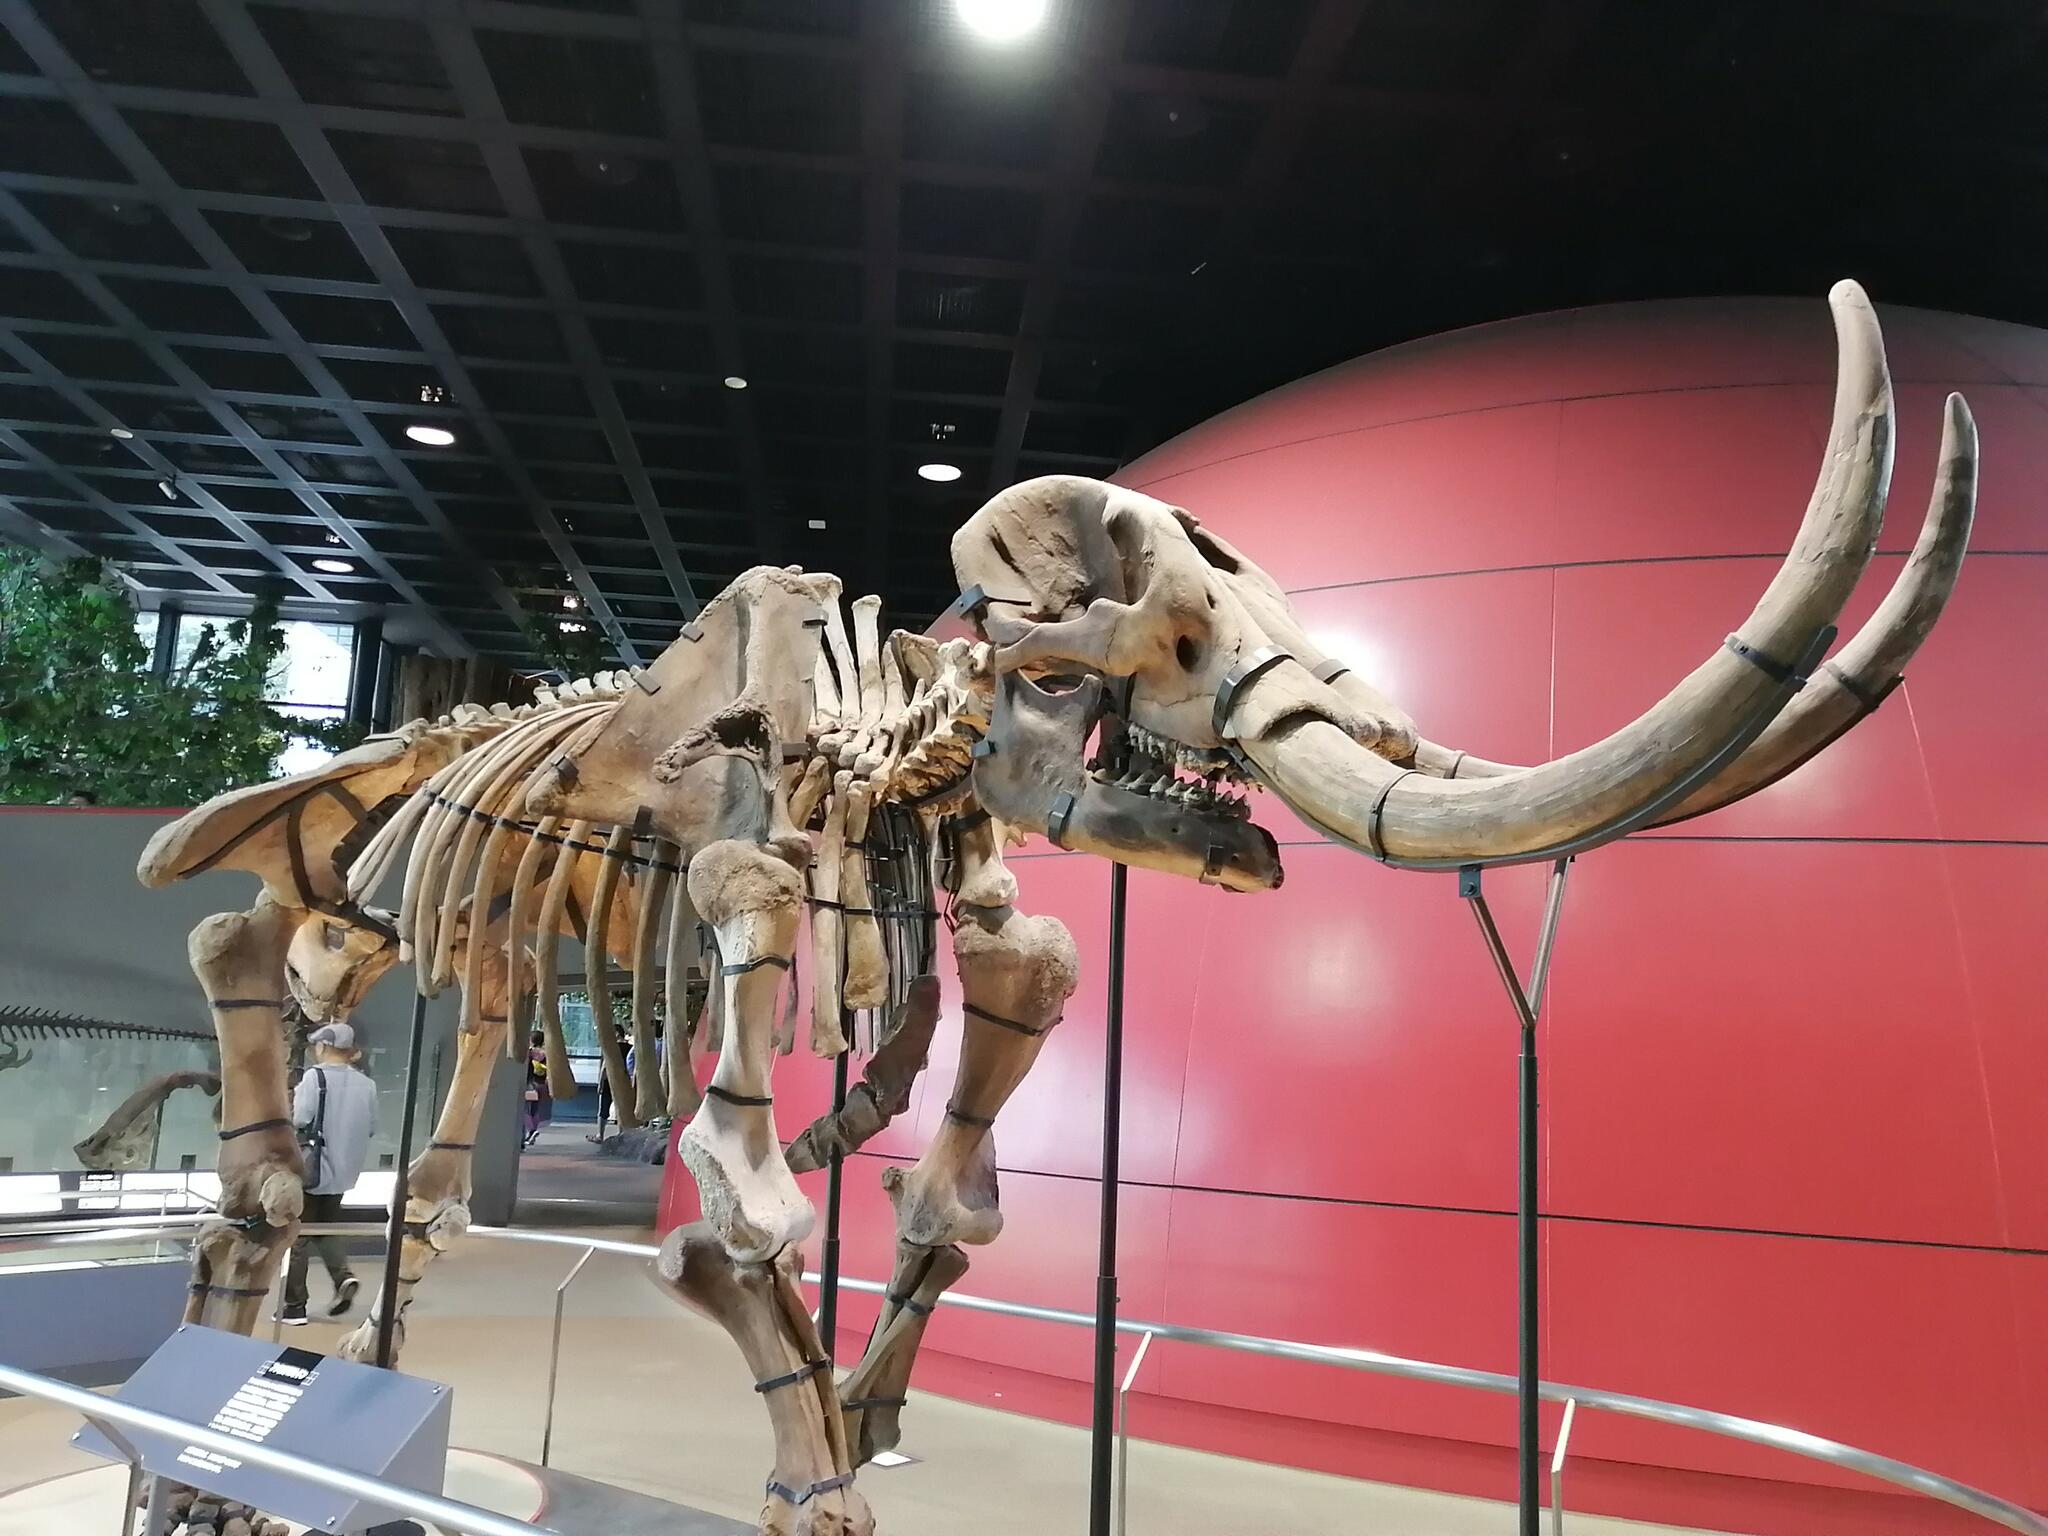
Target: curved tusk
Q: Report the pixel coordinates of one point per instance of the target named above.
(1405, 816)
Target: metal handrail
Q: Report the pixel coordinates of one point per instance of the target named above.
(451, 1513)
(1776, 1437)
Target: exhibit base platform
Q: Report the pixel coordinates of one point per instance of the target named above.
(91, 1501)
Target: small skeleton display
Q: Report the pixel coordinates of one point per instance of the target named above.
(1133, 677)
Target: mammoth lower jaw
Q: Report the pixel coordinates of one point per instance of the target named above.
(1169, 770)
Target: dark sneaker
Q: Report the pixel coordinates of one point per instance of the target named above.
(291, 1319)
(344, 1296)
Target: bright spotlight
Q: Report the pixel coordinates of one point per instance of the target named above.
(1002, 21)
(433, 437)
(943, 474)
(734, 381)
(334, 567)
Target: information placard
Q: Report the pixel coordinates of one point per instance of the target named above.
(380, 1423)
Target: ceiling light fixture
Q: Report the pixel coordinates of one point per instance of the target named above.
(942, 474)
(1001, 21)
(335, 567)
(734, 381)
(573, 627)
(168, 489)
(433, 437)
(816, 524)
(121, 433)
(571, 601)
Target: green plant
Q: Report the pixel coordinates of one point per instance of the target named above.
(83, 717)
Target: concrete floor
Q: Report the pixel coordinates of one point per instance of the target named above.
(654, 1398)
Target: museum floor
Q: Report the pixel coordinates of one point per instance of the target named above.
(651, 1400)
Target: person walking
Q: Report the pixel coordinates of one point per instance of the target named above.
(537, 1107)
(335, 1110)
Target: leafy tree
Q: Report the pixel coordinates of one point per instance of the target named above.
(82, 716)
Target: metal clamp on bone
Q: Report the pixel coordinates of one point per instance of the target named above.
(1243, 673)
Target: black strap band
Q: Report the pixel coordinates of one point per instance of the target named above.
(874, 1402)
(1328, 670)
(784, 1491)
(1241, 676)
(971, 820)
(1857, 691)
(1057, 815)
(803, 1372)
(780, 962)
(1769, 665)
(1003, 1023)
(246, 1002)
(228, 1290)
(954, 1112)
(744, 1100)
(452, 1146)
(909, 1304)
(1373, 845)
(256, 1125)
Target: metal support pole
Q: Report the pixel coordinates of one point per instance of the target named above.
(1529, 1481)
(394, 1232)
(156, 1513)
(1564, 1439)
(828, 1266)
(363, 662)
(1101, 1444)
(126, 1447)
(1123, 1434)
(547, 1430)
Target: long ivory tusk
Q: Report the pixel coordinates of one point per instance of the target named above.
(1407, 816)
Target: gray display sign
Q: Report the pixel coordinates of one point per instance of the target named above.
(379, 1423)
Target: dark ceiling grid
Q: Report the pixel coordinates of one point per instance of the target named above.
(374, 247)
(1082, 121)
(682, 115)
(119, 139)
(478, 95)
(38, 237)
(881, 135)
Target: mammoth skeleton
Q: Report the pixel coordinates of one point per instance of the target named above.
(1132, 677)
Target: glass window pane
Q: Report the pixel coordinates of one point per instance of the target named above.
(145, 630)
(300, 753)
(315, 665)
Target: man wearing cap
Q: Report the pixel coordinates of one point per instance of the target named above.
(335, 1109)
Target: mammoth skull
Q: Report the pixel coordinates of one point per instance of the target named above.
(1119, 620)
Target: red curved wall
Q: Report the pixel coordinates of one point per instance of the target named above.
(1796, 1058)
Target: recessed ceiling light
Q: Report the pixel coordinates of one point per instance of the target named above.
(334, 567)
(734, 381)
(816, 525)
(168, 489)
(1002, 21)
(571, 601)
(573, 627)
(944, 474)
(121, 432)
(433, 437)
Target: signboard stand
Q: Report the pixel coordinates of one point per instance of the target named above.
(337, 1412)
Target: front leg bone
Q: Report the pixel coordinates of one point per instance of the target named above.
(750, 897)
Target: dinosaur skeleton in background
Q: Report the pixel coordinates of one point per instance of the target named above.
(1132, 671)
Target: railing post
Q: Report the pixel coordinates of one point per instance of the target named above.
(1564, 1439)
(547, 1432)
(1123, 1434)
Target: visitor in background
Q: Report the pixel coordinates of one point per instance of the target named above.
(538, 1107)
(335, 1110)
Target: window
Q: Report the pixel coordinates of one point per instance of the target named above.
(309, 682)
